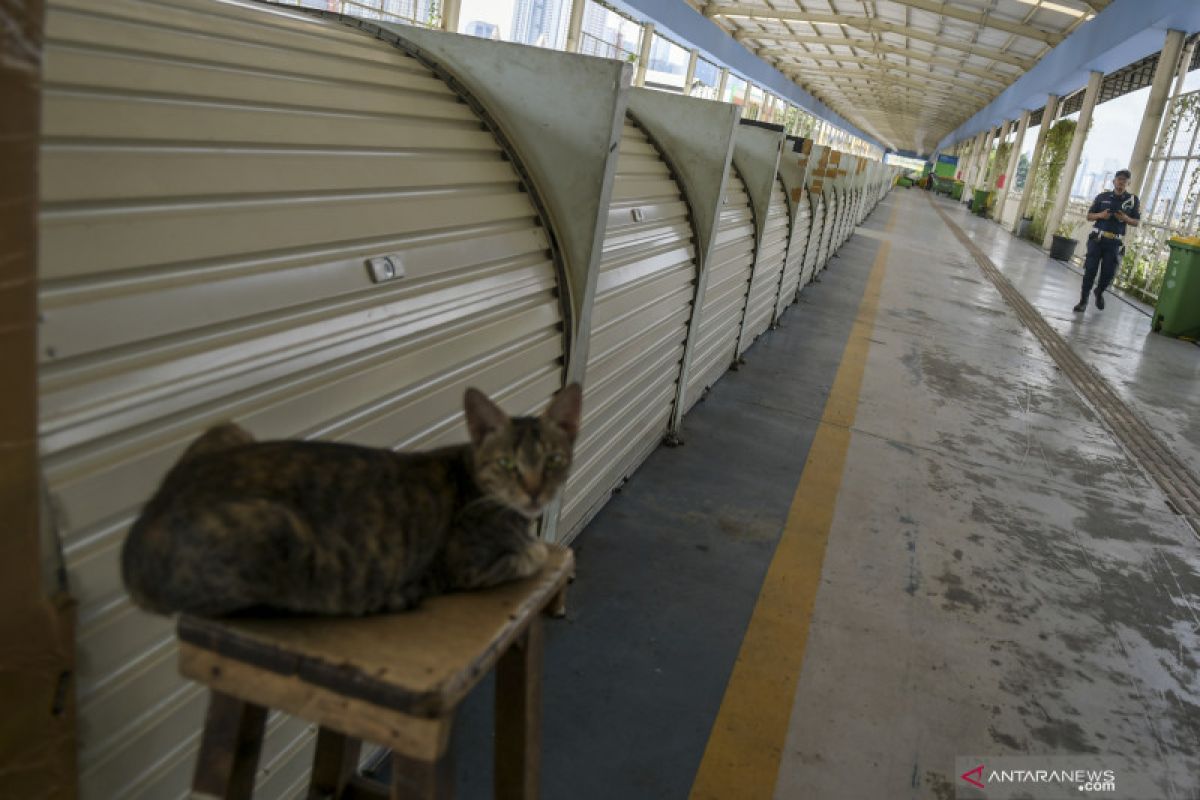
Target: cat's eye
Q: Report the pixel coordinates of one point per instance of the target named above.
(506, 463)
(556, 459)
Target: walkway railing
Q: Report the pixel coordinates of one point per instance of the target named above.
(590, 45)
(1170, 201)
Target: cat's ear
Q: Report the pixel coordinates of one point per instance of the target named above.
(483, 416)
(566, 408)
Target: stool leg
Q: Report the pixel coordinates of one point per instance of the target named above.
(519, 717)
(414, 779)
(229, 748)
(334, 764)
(558, 606)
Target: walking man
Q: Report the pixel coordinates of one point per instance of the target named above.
(1111, 211)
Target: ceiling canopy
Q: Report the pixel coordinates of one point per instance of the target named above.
(907, 72)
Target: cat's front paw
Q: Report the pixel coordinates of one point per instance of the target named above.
(532, 559)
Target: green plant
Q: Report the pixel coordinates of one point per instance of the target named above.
(1049, 171)
(1022, 172)
(1066, 228)
(1184, 118)
(998, 164)
(434, 18)
(1143, 268)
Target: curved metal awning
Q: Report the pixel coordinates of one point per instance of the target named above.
(908, 72)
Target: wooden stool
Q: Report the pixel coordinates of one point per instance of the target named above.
(394, 679)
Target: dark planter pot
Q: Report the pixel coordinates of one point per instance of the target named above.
(1062, 248)
(1023, 228)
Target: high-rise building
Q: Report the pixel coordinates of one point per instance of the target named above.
(1081, 185)
(418, 11)
(595, 21)
(603, 34)
(483, 30)
(540, 22)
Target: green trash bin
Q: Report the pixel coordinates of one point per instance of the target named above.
(1178, 310)
(982, 198)
(957, 190)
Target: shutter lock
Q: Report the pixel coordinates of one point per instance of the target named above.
(385, 268)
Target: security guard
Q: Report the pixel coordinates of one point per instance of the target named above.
(1111, 211)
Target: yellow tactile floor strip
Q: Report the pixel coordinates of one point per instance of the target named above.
(1158, 461)
(744, 748)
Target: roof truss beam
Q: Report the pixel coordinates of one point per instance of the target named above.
(984, 19)
(879, 48)
(972, 97)
(884, 106)
(972, 86)
(875, 26)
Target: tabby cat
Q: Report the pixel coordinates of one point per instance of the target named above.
(325, 528)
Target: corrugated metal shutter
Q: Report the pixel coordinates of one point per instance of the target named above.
(796, 254)
(768, 269)
(644, 297)
(839, 215)
(213, 177)
(731, 264)
(831, 219)
(826, 224)
(812, 251)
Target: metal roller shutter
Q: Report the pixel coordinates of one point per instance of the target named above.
(796, 254)
(839, 227)
(768, 269)
(214, 177)
(812, 250)
(833, 220)
(730, 266)
(644, 297)
(830, 227)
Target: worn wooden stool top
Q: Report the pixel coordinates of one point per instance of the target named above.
(378, 677)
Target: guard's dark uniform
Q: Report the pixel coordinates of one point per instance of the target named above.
(1106, 242)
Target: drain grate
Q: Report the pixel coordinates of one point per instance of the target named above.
(1159, 462)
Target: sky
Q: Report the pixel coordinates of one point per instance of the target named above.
(497, 12)
(1115, 126)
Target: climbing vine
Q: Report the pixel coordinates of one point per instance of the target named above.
(999, 164)
(1186, 110)
(1049, 171)
(434, 18)
(1187, 114)
(1144, 265)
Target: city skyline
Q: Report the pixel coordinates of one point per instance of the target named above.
(482, 30)
(541, 23)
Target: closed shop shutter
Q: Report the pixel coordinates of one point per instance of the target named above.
(772, 253)
(731, 263)
(833, 220)
(812, 250)
(214, 178)
(853, 213)
(644, 297)
(796, 254)
(839, 229)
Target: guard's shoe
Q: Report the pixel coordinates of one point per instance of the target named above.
(1082, 306)
(1099, 300)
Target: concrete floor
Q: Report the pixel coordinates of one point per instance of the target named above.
(999, 578)
(1157, 376)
